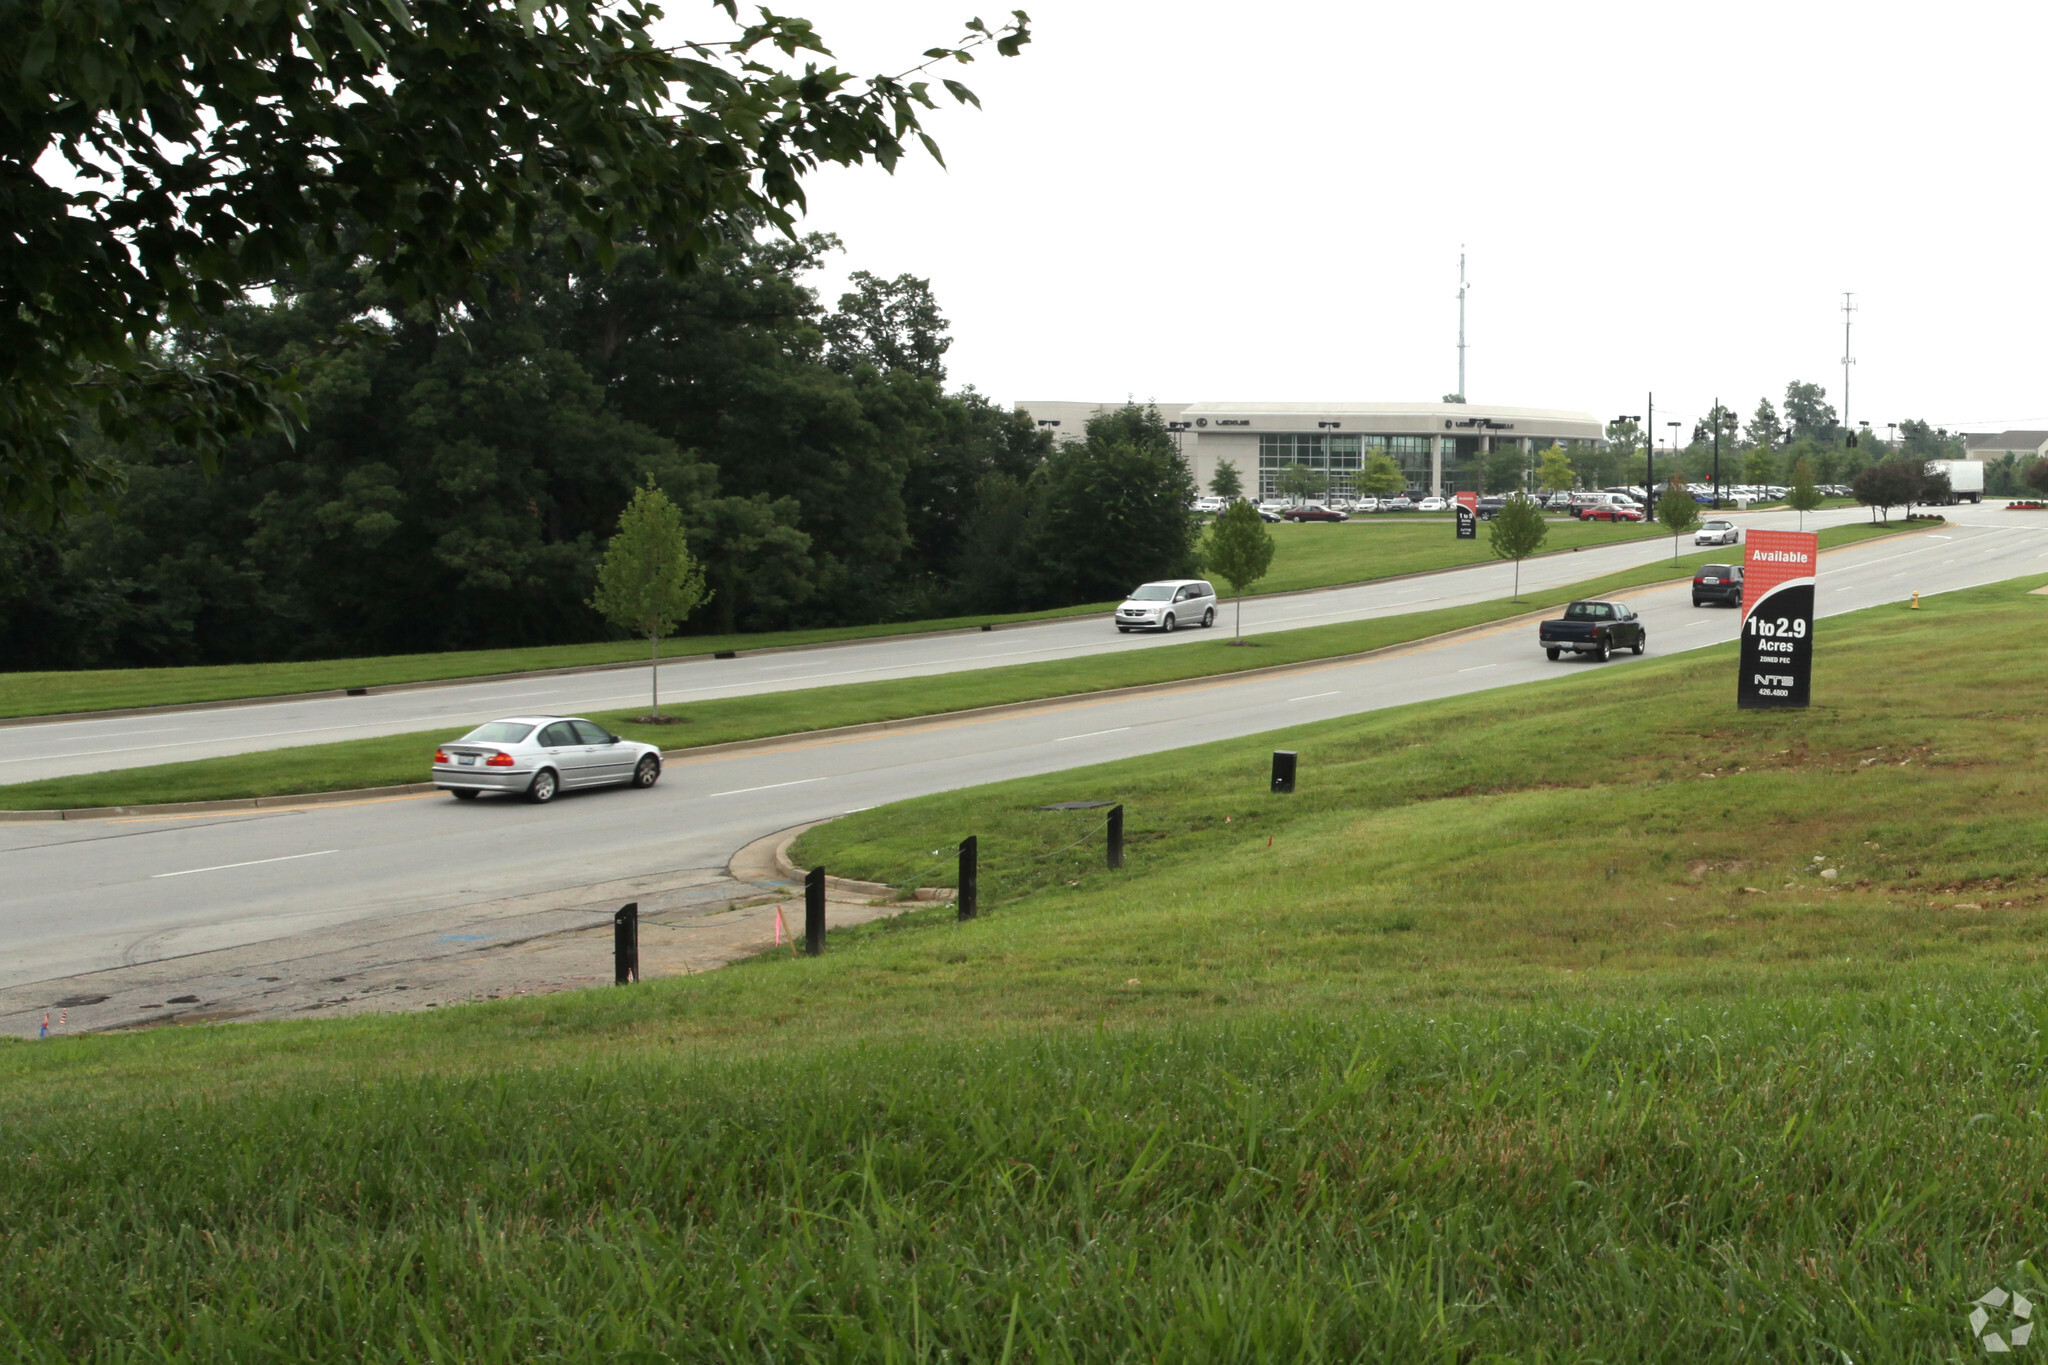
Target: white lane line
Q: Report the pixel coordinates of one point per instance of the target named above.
(1477, 667)
(1092, 734)
(1312, 696)
(253, 862)
(742, 791)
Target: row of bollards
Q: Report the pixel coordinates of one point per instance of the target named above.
(626, 923)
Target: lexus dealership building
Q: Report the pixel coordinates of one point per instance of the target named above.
(1439, 446)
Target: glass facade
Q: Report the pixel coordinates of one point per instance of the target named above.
(1338, 458)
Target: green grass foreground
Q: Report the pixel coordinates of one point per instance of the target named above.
(1306, 557)
(394, 759)
(1478, 1048)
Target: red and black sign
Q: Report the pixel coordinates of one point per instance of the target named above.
(1468, 515)
(1777, 618)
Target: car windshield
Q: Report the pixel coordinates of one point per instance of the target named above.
(500, 732)
(1718, 525)
(1588, 611)
(1153, 592)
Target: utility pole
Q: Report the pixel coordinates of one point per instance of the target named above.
(1848, 357)
(1650, 457)
(1461, 321)
(1717, 452)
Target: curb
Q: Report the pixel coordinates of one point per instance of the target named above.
(766, 860)
(844, 732)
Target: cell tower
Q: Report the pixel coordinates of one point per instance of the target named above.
(1461, 320)
(1848, 357)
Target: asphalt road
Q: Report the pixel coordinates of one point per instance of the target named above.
(87, 895)
(65, 748)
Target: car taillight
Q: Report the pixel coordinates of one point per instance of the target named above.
(498, 761)
(440, 757)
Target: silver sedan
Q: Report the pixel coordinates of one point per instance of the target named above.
(539, 756)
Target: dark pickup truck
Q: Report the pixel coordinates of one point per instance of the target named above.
(1596, 628)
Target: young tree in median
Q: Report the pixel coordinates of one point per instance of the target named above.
(1679, 511)
(1238, 550)
(1226, 482)
(648, 582)
(1516, 532)
(1804, 497)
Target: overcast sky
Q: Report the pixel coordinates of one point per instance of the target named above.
(1242, 201)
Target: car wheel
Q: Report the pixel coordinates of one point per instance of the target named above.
(1640, 645)
(648, 771)
(1167, 623)
(460, 795)
(543, 787)
(1605, 652)
(1553, 653)
(1208, 618)
(1696, 602)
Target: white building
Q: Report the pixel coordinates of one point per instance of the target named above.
(1991, 445)
(1439, 446)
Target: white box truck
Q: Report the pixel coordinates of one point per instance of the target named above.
(1965, 478)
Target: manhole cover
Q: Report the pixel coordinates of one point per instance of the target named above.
(72, 1002)
(1075, 805)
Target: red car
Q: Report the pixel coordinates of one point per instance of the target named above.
(1610, 514)
(1313, 513)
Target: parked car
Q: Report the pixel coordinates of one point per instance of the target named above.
(1596, 628)
(1167, 605)
(540, 756)
(1264, 515)
(1610, 512)
(1717, 583)
(1558, 502)
(1718, 531)
(1489, 506)
(1400, 502)
(1431, 504)
(1274, 505)
(1314, 512)
(1211, 504)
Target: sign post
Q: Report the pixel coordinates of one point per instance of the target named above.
(1468, 516)
(1777, 619)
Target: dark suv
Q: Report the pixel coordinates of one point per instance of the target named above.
(1717, 583)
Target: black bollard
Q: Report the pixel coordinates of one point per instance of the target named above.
(814, 911)
(970, 876)
(626, 944)
(1283, 770)
(1116, 837)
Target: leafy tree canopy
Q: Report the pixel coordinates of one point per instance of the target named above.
(1238, 549)
(1381, 478)
(1517, 531)
(1555, 474)
(1809, 413)
(1226, 482)
(216, 145)
(889, 324)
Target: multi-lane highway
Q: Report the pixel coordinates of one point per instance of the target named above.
(62, 749)
(101, 893)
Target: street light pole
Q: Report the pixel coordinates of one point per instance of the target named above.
(1717, 452)
(1649, 452)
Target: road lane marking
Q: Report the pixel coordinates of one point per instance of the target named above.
(1312, 696)
(1476, 667)
(742, 791)
(1092, 734)
(253, 862)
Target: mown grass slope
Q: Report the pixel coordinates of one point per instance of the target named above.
(1532, 1034)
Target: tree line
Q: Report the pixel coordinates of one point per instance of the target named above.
(460, 465)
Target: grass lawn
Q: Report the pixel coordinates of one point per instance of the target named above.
(1483, 1046)
(393, 759)
(1306, 557)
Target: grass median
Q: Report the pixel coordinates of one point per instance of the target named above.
(1529, 1028)
(1305, 557)
(393, 759)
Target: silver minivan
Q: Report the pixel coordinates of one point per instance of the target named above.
(1168, 605)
